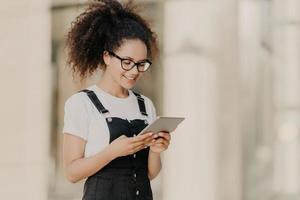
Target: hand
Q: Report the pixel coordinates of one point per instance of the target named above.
(161, 143)
(123, 145)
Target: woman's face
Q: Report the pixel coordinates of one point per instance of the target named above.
(133, 49)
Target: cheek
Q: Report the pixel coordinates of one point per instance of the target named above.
(115, 70)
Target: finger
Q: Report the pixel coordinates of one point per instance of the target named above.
(146, 142)
(122, 137)
(159, 140)
(166, 142)
(162, 141)
(165, 135)
(150, 139)
(152, 142)
(154, 138)
(149, 142)
(142, 137)
(140, 147)
(160, 145)
(137, 144)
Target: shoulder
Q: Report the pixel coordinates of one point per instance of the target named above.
(76, 98)
(77, 101)
(150, 108)
(80, 96)
(147, 100)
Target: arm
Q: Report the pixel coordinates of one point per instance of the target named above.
(159, 144)
(154, 159)
(76, 167)
(154, 164)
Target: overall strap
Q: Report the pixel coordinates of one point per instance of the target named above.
(141, 102)
(93, 97)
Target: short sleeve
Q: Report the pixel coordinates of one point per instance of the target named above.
(76, 117)
(151, 110)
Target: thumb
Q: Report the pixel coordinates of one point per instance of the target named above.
(122, 137)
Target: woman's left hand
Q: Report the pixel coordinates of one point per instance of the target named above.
(161, 143)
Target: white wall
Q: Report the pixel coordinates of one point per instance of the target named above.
(25, 99)
(201, 83)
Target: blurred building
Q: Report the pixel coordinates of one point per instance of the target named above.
(231, 67)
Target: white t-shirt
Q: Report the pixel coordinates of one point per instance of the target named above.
(82, 119)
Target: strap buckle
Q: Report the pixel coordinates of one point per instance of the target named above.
(144, 113)
(140, 98)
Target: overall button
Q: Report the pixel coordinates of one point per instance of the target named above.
(137, 192)
(134, 175)
(134, 155)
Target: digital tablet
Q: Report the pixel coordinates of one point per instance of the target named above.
(168, 124)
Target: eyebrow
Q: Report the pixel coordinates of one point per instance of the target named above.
(143, 60)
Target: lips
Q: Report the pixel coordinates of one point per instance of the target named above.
(130, 78)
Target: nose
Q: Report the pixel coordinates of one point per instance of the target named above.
(134, 70)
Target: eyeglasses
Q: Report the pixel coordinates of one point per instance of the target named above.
(128, 64)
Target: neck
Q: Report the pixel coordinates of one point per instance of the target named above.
(110, 86)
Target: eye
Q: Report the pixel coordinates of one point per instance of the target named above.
(127, 62)
(142, 64)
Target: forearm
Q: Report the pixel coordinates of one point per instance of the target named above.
(154, 165)
(84, 167)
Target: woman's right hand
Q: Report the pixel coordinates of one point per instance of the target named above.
(123, 145)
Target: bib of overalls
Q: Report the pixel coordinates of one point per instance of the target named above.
(126, 177)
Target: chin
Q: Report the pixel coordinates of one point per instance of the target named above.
(126, 86)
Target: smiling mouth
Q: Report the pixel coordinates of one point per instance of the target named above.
(130, 78)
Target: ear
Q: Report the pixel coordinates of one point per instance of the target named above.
(106, 58)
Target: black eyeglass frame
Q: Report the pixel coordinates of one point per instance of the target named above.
(135, 64)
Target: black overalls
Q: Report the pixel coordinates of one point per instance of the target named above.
(126, 177)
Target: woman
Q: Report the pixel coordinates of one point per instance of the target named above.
(102, 122)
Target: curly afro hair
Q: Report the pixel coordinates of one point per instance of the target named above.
(103, 26)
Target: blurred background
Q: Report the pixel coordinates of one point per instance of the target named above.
(231, 67)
